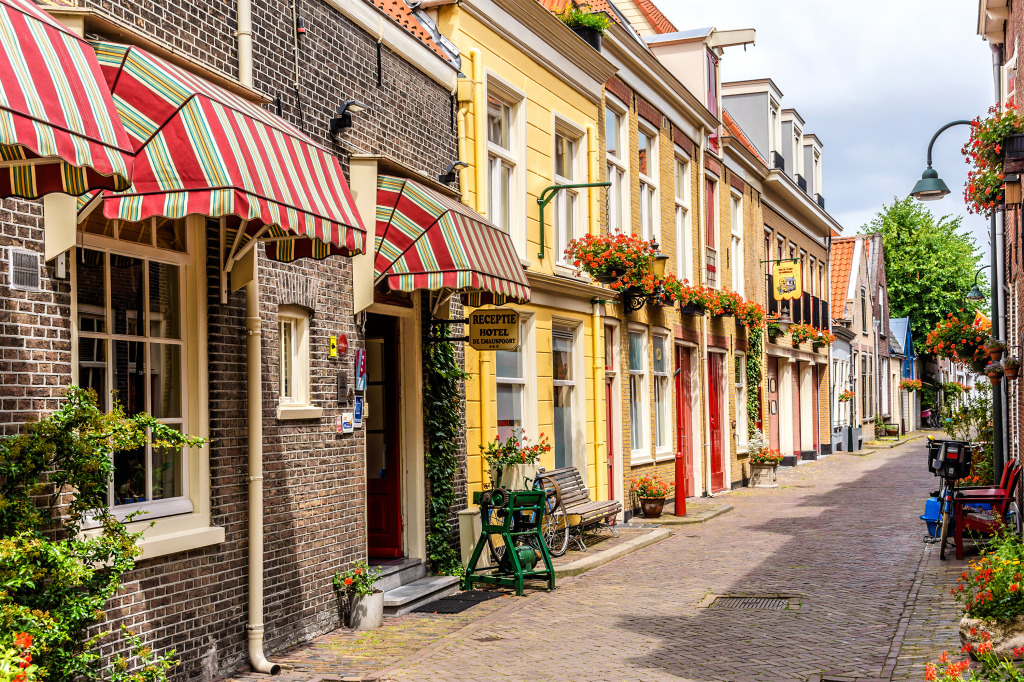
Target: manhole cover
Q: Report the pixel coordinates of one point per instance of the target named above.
(457, 603)
(772, 603)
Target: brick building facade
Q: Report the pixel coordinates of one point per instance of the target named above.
(188, 591)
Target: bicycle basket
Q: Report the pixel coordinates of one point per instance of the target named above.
(954, 460)
(934, 446)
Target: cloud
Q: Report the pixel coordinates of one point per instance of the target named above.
(874, 79)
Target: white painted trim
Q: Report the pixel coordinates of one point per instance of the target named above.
(287, 412)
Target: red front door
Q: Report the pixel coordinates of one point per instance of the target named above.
(684, 445)
(814, 408)
(796, 409)
(773, 403)
(383, 454)
(716, 371)
(609, 412)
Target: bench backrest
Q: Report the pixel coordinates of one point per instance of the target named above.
(574, 490)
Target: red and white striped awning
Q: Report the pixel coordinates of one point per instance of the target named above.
(428, 241)
(59, 131)
(203, 150)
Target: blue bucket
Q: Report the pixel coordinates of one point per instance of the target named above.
(931, 516)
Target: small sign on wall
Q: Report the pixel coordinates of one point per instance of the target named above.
(494, 329)
(334, 346)
(346, 422)
(360, 370)
(357, 415)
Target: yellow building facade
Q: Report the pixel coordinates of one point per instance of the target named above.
(529, 111)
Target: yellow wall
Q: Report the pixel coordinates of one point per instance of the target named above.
(489, 58)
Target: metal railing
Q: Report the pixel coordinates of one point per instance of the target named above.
(801, 182)
(778, 161)
(820, 199)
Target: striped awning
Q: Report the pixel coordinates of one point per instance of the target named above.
(426, 240)
(58, 128)
(203, 150)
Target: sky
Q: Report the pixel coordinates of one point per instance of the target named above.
(874, 80)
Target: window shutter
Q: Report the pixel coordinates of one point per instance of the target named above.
(24, 270)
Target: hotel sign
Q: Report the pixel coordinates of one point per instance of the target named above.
(494, 329)
(786, 282)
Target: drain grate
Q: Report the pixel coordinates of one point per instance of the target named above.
(457, 603)
(771, 603)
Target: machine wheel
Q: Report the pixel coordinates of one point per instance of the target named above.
(555, 526)
(946, 521)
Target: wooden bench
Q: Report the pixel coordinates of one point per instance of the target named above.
(969, 518)
(581, 512)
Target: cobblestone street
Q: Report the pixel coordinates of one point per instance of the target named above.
(840, 538)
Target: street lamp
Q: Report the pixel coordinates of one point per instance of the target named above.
(784, 320)
(931, 187)
(659, 262)
(975, 295)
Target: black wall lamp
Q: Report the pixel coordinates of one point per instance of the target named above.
(452, 171)
(343, 119)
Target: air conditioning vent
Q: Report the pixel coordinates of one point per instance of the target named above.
(24, 270)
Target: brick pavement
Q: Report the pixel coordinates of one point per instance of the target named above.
(839, 536)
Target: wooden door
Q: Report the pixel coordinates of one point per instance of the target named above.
(773, 403)
(814, 410)
(383, 429)
(796, 409)
(609, 421)
(684, 442)
(716, 372)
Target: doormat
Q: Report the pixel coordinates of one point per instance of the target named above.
(771, 603)
(457, 603)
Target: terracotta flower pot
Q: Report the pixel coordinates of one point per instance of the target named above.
(994, 378)
(1011, 372)
(995, 354)
(652, 506)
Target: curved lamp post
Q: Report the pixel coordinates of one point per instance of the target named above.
(929, 188)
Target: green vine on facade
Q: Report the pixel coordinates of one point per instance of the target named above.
(755, 365)
(442, 420)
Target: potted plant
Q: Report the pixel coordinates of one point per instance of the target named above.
(993, 151)
(360, 605)
(697, 300)
(651, 491)
(751, 315)
(994, 347)
(608, 258)
(824, 338)
(911, 385)
(991, 592)
(589, 26)
(994, 371)
(512, 461)
(1011, 367)
(960, 341)
(729, 303)
(847, 396)
(764, 462)
(801, 333)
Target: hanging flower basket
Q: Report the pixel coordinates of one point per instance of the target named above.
(910, 385)
(994, 371)
(1011, 367)
(994, 347)
(993, 150)
(607, 276)
(960, 340)
(692, 309)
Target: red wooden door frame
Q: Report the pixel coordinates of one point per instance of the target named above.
(716, 371)
(684, 444)
(384, 490)
(797, 444)
(609, 395)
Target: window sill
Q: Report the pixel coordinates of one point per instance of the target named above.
(664, 455)
(172, 543)
(643, 457)
(563, 270)
(287, 412)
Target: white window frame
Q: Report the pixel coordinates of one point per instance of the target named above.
(715, 230)
(641, 454)
(183, 523)
(300, 404)
(661, 382)
(577, 455)
(619, 193)
(570, 207)
(736, 227)
(683, 216)
(740, 392)
(775, 130)
(528, 381)
(650, 202)
(514, 157)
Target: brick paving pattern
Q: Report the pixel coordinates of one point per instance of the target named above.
(840, 538)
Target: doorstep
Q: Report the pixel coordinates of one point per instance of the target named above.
(696, 512)
(594, 558)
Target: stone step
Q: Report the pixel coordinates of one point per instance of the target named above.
(402, 600)
(399, 572)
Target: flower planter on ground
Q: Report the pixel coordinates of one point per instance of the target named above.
(763, 475)
(366, 612)
(1004, 635)
(652, 506)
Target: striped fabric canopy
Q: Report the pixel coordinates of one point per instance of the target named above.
(428, 241)
(203, 150)
(58, 128)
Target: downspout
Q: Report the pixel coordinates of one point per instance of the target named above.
(597, 333)
(703, 341)
(1000, 262)
(480, 130)
(254, 367)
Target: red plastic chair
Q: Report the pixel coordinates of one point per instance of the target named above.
(1000, 497)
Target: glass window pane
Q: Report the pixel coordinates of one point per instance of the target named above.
(509, 363)
(136, 232)
(91, 288)
(561, 358)
(129, 364)
(286, 343)
(635, 411)
(164, 301)
(170, 234)
(497, 122)
(92, 368)
(644, 144)
(563, 426)
(165, 380)
(609, 348)
(130, 476)
(506, 189)
(636, 352)
(167, 473)
(659, 412)
(611, 131)
(510, 410)
(126, 294)
(660, 361)
(681, 180)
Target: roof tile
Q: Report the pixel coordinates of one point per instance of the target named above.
(658, 20)
(841, 257)
(402, 13)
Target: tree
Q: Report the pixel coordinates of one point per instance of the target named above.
(929, 265)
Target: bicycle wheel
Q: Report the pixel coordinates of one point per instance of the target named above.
(553, 526)
(946, 523)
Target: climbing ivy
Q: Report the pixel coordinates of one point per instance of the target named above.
(755, 365)
(442, 419)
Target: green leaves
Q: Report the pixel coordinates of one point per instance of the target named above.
(929, 265)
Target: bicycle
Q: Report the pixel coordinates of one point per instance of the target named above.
(950, 460)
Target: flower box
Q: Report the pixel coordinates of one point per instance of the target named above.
(591, 36)
(764, 475)
(692, 309)
(1013, 154)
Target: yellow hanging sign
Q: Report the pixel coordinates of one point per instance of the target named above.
(786, 281)
(495, 329)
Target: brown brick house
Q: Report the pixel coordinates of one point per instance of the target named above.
(211, 314)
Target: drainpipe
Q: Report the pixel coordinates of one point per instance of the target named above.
(254, 628)
(255, 414)
(480, 132)
(597, 337)
(702, 275)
